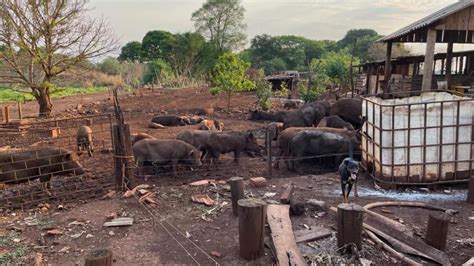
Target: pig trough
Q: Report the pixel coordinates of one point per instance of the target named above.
(419, 140)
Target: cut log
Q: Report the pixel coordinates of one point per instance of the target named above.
(251, 228)
(237, 192)
(437, 231)
(101, 257)
(307, 235)
(350, 218)
(287, 193)
(287, 252)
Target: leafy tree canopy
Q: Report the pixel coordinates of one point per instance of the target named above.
(132, 51)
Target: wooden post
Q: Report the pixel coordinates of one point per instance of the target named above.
(237, 192)
(377, 80)
(123, 156)
(269, 154)
(388, 66)
(437, 231)
(350, 218)
(7, 114)
(470, 193)
(20, 113)
(367, 83)
(1, 115)
(429, 59)
(251, 228)
(101, 257)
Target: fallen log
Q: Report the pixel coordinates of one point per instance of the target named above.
(287, 252)
(307, 235)
(412, 242)
(396, 244)
(372, 217)
(393, 252)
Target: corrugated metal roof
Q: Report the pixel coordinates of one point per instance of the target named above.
(430, 19)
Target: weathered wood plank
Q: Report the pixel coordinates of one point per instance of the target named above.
(307, 235)
(123, 221)
(463, 19)
(471, 19)
(287, 251)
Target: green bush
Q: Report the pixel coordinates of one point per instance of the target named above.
(310, 94)
(158, 71)
(264, 92)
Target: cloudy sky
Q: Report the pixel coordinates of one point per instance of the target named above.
(315, 19)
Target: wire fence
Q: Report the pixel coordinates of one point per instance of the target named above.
(40, 162)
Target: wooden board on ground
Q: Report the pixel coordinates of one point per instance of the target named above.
(307, 235)
(286, 250)
(122, 221)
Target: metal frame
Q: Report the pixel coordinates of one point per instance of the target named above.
(372, 145)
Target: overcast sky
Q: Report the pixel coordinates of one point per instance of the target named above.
(314, 19)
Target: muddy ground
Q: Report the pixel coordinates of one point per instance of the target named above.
(178, 231)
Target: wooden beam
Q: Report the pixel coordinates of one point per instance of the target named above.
(388, 64)
(429, 56)
(449, 61)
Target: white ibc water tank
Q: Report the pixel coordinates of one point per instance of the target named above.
(405, 145)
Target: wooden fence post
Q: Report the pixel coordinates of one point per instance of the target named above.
(99, 258)
(7, 114)
(350, 218)
(437, 230)
(252, 213)
(20, 112)
(237, 192)
(268, 141)
(123, 156)
(1, 115)
(470, 193)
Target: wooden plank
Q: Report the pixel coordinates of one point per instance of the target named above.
(463, 19)
(286, 250)
(388, 65)
(429, 58)
(471, 19)
(469, 262)
(307, 235)
(123, 221)
(287, 193)
(452, 22)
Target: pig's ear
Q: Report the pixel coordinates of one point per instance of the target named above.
(191, 153)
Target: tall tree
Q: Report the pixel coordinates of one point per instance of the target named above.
(132, 51)
(45, 38)
(186, 53)
(222, 22)
(157, 44)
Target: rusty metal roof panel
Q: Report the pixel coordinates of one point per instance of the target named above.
(428, 20)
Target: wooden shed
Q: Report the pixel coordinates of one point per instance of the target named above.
(452, 24)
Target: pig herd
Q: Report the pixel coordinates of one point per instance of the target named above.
(316, 129)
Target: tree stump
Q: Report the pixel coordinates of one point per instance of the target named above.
(437, 231)
(350, 218)
(251, 228)
(470, 193)
(102, 257)
(237, 192)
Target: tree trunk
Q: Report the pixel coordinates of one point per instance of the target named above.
(44, 102)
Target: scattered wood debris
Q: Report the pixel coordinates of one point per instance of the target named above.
(203, 199)
(307, 235)
(203, 182)
(285, 197)
(122, 221)
(54, 232)
(216, 254)
(258, 181)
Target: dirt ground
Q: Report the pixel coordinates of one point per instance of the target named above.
(178, 231)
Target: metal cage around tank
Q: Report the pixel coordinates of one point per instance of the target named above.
(426, 142)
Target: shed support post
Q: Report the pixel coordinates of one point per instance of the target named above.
(388, 65)
(449, 61)
(429, 59)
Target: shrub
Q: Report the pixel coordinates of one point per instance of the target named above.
(310, 94)
(264, 91)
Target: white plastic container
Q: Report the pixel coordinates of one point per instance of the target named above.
(402, 145)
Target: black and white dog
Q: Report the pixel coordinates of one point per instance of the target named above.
(349, 171)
